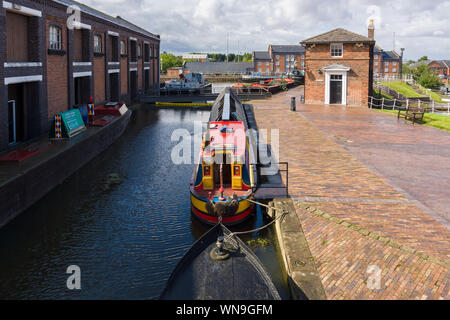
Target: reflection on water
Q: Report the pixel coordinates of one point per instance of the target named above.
(124, 219)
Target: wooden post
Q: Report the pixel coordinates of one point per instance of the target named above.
(393, 106)
(407, 103)
(382, 103)
(371, 102)
(419, 103)
(432, 106)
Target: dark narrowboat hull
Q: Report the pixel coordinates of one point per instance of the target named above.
(198, 276)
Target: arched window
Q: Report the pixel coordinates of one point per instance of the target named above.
(55, 38)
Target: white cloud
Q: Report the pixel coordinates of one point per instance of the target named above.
(422, 27)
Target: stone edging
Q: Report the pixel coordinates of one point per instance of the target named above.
(367, 233)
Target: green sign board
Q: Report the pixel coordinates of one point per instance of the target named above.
(73, 122)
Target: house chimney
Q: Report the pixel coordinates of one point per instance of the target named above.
(371, 30)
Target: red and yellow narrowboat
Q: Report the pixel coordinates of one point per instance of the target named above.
(224, 178)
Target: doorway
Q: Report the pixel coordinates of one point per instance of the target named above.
(114, 87)
(82, 90)
(133, 85)
(336, 89)
(12, 125)
(16, 113)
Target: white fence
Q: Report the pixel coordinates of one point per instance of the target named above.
(395, 104)
(386, 78)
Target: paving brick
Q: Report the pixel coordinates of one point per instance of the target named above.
(380, 228)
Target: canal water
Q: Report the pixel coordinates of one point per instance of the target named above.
(124, 219)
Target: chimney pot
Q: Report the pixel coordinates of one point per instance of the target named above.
(371, 30)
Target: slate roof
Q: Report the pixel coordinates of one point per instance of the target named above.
(338, 35)
(390, 55)
(118, 20)
(261, 55)
(287, 48)
(442, 63)
(219, 67)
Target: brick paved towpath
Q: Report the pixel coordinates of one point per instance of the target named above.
(362, 214)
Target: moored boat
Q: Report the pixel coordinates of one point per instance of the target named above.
(224, 179)
(219, 266)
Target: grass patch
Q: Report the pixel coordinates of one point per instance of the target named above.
(440, 121)
(402, 88)
(380, 95)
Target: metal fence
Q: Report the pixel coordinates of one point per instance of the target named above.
(396, 104)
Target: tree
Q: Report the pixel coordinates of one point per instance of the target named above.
(169, 61)
(426, 77)
(423, 58)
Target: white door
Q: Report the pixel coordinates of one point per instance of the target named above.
(336, 88)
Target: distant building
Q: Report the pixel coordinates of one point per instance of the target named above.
(199, 57)
(279, 59)
(386, 63)
(339, 68)
(441, 68)
(174, 72)
(218, 68)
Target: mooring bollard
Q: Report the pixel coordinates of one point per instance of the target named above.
(292, 103)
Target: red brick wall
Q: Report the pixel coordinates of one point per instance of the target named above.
(57, 78)
(358, 59)
(99, 71)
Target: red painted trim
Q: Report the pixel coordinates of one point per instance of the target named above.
(225, 220)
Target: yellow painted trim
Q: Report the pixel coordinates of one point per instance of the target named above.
(198, 204)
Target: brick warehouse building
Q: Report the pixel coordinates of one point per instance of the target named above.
(47, 67)
(279, 59)
(339, 68)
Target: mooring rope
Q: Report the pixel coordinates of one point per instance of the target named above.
(283, 213)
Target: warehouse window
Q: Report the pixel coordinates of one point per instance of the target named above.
(123, 47)
(336, 50)
(55, 38)
(98, 44)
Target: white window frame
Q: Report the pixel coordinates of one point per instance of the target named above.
(386, 69)
(336, 48)
(394, 63)
(394, 69)
(96, 45)
(55, 37)
(123, 49)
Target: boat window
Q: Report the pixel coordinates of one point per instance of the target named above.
(226, 129)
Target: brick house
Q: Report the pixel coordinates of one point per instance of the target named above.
(50, 63)
(386, 63)
(441, 68)
(339, 68)
(279, 59)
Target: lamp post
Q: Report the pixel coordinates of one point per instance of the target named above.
(401, 62)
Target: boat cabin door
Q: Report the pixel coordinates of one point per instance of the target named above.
(223, 159)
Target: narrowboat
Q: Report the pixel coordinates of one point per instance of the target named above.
(219, 266)
(224, 178)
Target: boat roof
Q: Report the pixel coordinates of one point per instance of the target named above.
(228, 107)
(227, 135)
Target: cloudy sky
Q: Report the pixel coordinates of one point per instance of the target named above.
(422, 27)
